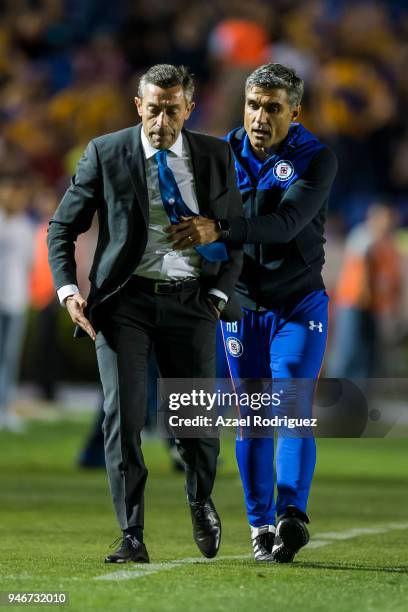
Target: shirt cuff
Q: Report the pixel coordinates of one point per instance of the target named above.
(65, 291)
(219, 294)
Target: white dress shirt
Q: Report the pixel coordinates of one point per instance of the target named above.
(160, 261)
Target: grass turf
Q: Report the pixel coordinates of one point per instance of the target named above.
(57, 522)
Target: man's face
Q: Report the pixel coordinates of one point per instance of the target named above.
(163, 113)
(267, 117)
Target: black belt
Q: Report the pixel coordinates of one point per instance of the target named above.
(159, 287)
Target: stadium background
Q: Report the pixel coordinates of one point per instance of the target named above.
(68, 72)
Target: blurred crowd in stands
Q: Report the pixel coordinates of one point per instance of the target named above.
(69, 71)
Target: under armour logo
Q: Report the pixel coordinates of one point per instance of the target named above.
(313, 325)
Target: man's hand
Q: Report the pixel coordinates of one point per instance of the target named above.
(213, 307)
(75, 305)
(193, 231)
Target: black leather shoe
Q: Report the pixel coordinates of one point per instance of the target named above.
(130, 550)
(206, 527)
(291, 535)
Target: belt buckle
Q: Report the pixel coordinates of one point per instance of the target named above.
(168, 287)
(157, 286)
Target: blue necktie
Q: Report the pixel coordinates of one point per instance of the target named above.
(175, 208)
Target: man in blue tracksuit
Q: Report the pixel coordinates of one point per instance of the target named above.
(285, 175)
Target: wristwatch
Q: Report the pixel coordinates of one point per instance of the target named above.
(224, 227)
(218, 302)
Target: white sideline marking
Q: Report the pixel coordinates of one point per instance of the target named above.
(322, 539)
(318, 541)
(144, 569)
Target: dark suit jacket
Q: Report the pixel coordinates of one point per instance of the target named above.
(110, 180)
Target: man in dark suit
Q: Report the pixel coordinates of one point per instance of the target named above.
(143, 292)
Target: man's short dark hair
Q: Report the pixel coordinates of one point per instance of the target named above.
(166, 76)
(276, 76)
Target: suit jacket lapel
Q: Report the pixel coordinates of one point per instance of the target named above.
(136, 167)
(201, 170)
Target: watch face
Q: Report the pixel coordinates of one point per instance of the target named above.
(221, 304)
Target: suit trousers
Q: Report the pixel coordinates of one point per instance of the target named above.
(181, 328)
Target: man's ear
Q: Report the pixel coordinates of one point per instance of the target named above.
(296, 112)
(189, 110)
(138, 104)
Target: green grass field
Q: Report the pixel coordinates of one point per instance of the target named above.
(57, 524)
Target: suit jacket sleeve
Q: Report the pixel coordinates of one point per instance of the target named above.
(298, 207)
(73, 217)
(231, 269)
